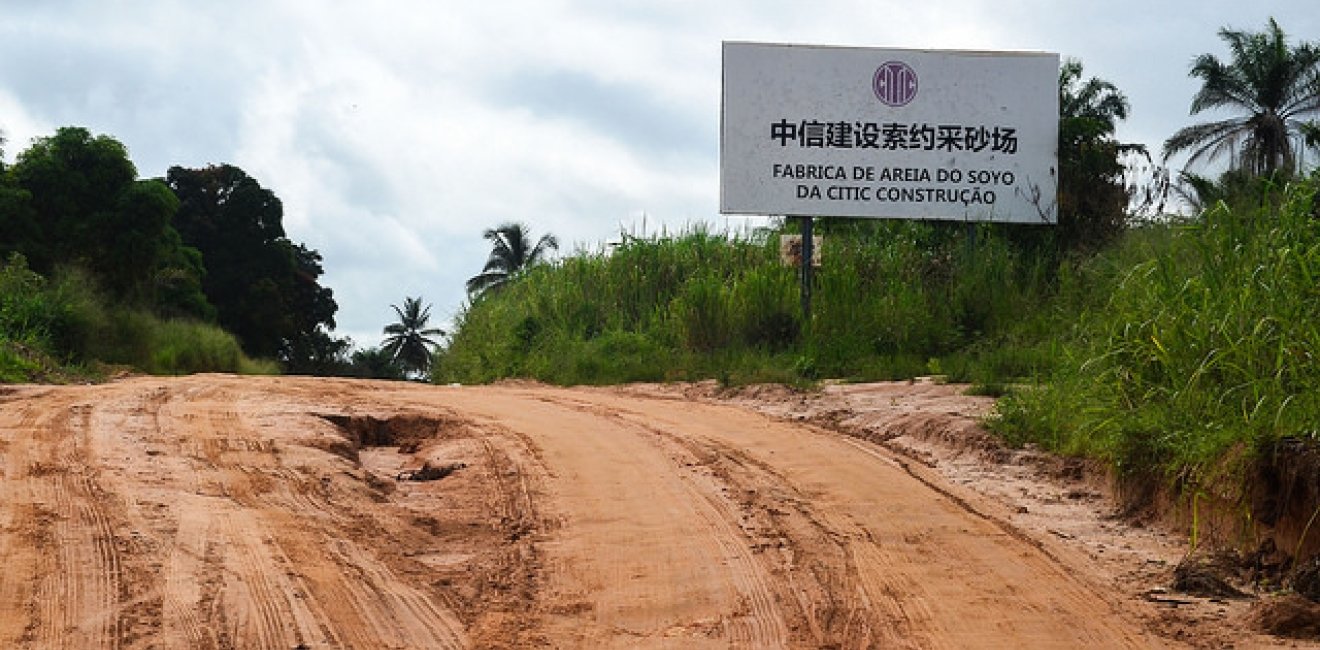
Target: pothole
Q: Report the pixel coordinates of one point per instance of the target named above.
(406, 432)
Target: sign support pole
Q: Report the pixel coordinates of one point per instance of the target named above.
(807, 256)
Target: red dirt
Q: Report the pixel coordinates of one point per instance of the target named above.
(225, 512)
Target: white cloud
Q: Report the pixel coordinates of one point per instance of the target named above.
(18, 127)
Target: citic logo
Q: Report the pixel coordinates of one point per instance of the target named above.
(895, 83)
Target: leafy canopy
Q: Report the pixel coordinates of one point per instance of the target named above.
(265, 287)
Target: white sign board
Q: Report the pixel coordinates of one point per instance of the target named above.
(886, 133)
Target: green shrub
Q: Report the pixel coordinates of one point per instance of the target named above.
(702, 310)
(889, 297)
(182, 347)
(1203, 342)
(765, 309)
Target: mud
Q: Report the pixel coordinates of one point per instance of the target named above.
(224, 512)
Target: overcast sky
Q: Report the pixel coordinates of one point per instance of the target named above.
(396, 132)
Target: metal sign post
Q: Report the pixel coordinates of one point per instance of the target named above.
(808, 244)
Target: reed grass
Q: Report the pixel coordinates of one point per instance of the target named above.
(1200, 338)
(700, 305)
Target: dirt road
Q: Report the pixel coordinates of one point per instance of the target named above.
(223, 512)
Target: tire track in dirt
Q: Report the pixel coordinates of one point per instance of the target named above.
(303, 583)
(188, 591)
(217, 548)
(24, 524)
(812, 566)
(959, 568)
(621, 505)
(818, 568)
(77, 581)
(765, 619)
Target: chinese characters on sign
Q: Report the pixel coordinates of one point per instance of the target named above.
(893, 136)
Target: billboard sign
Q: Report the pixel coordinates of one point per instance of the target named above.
(889, 133)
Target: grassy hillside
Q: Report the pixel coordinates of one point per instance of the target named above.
(1181, 346)
(1196, 339)
(61, 329)
(890, 298)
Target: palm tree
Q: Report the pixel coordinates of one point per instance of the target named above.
(511, 253)
(1096, 101)
(1270, 85)
(1091, 197)
(409, 343)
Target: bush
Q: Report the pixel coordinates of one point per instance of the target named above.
(47, 322)
(182, 347)
(1204, 346)
(889, 297)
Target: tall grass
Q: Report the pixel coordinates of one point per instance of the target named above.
(53, 327)
(1205, 341)
(889, 297)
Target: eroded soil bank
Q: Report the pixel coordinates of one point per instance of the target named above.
(225, 512)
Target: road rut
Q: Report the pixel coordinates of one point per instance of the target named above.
(226, 512)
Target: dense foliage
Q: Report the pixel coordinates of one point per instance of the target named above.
(1188, 340)
(163, 273)
(263, 285)
(891, 297)
(44, 323)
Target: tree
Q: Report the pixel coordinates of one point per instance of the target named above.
(312, 349)
(409, 343)
(18, 222)
(82, 205)
(264, 287)
(374, 363)
(1270, 85)
(511, 253)
(1092, 198)
(316, 353)
(74, 180)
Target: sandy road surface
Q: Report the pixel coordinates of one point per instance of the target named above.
(222, 512)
